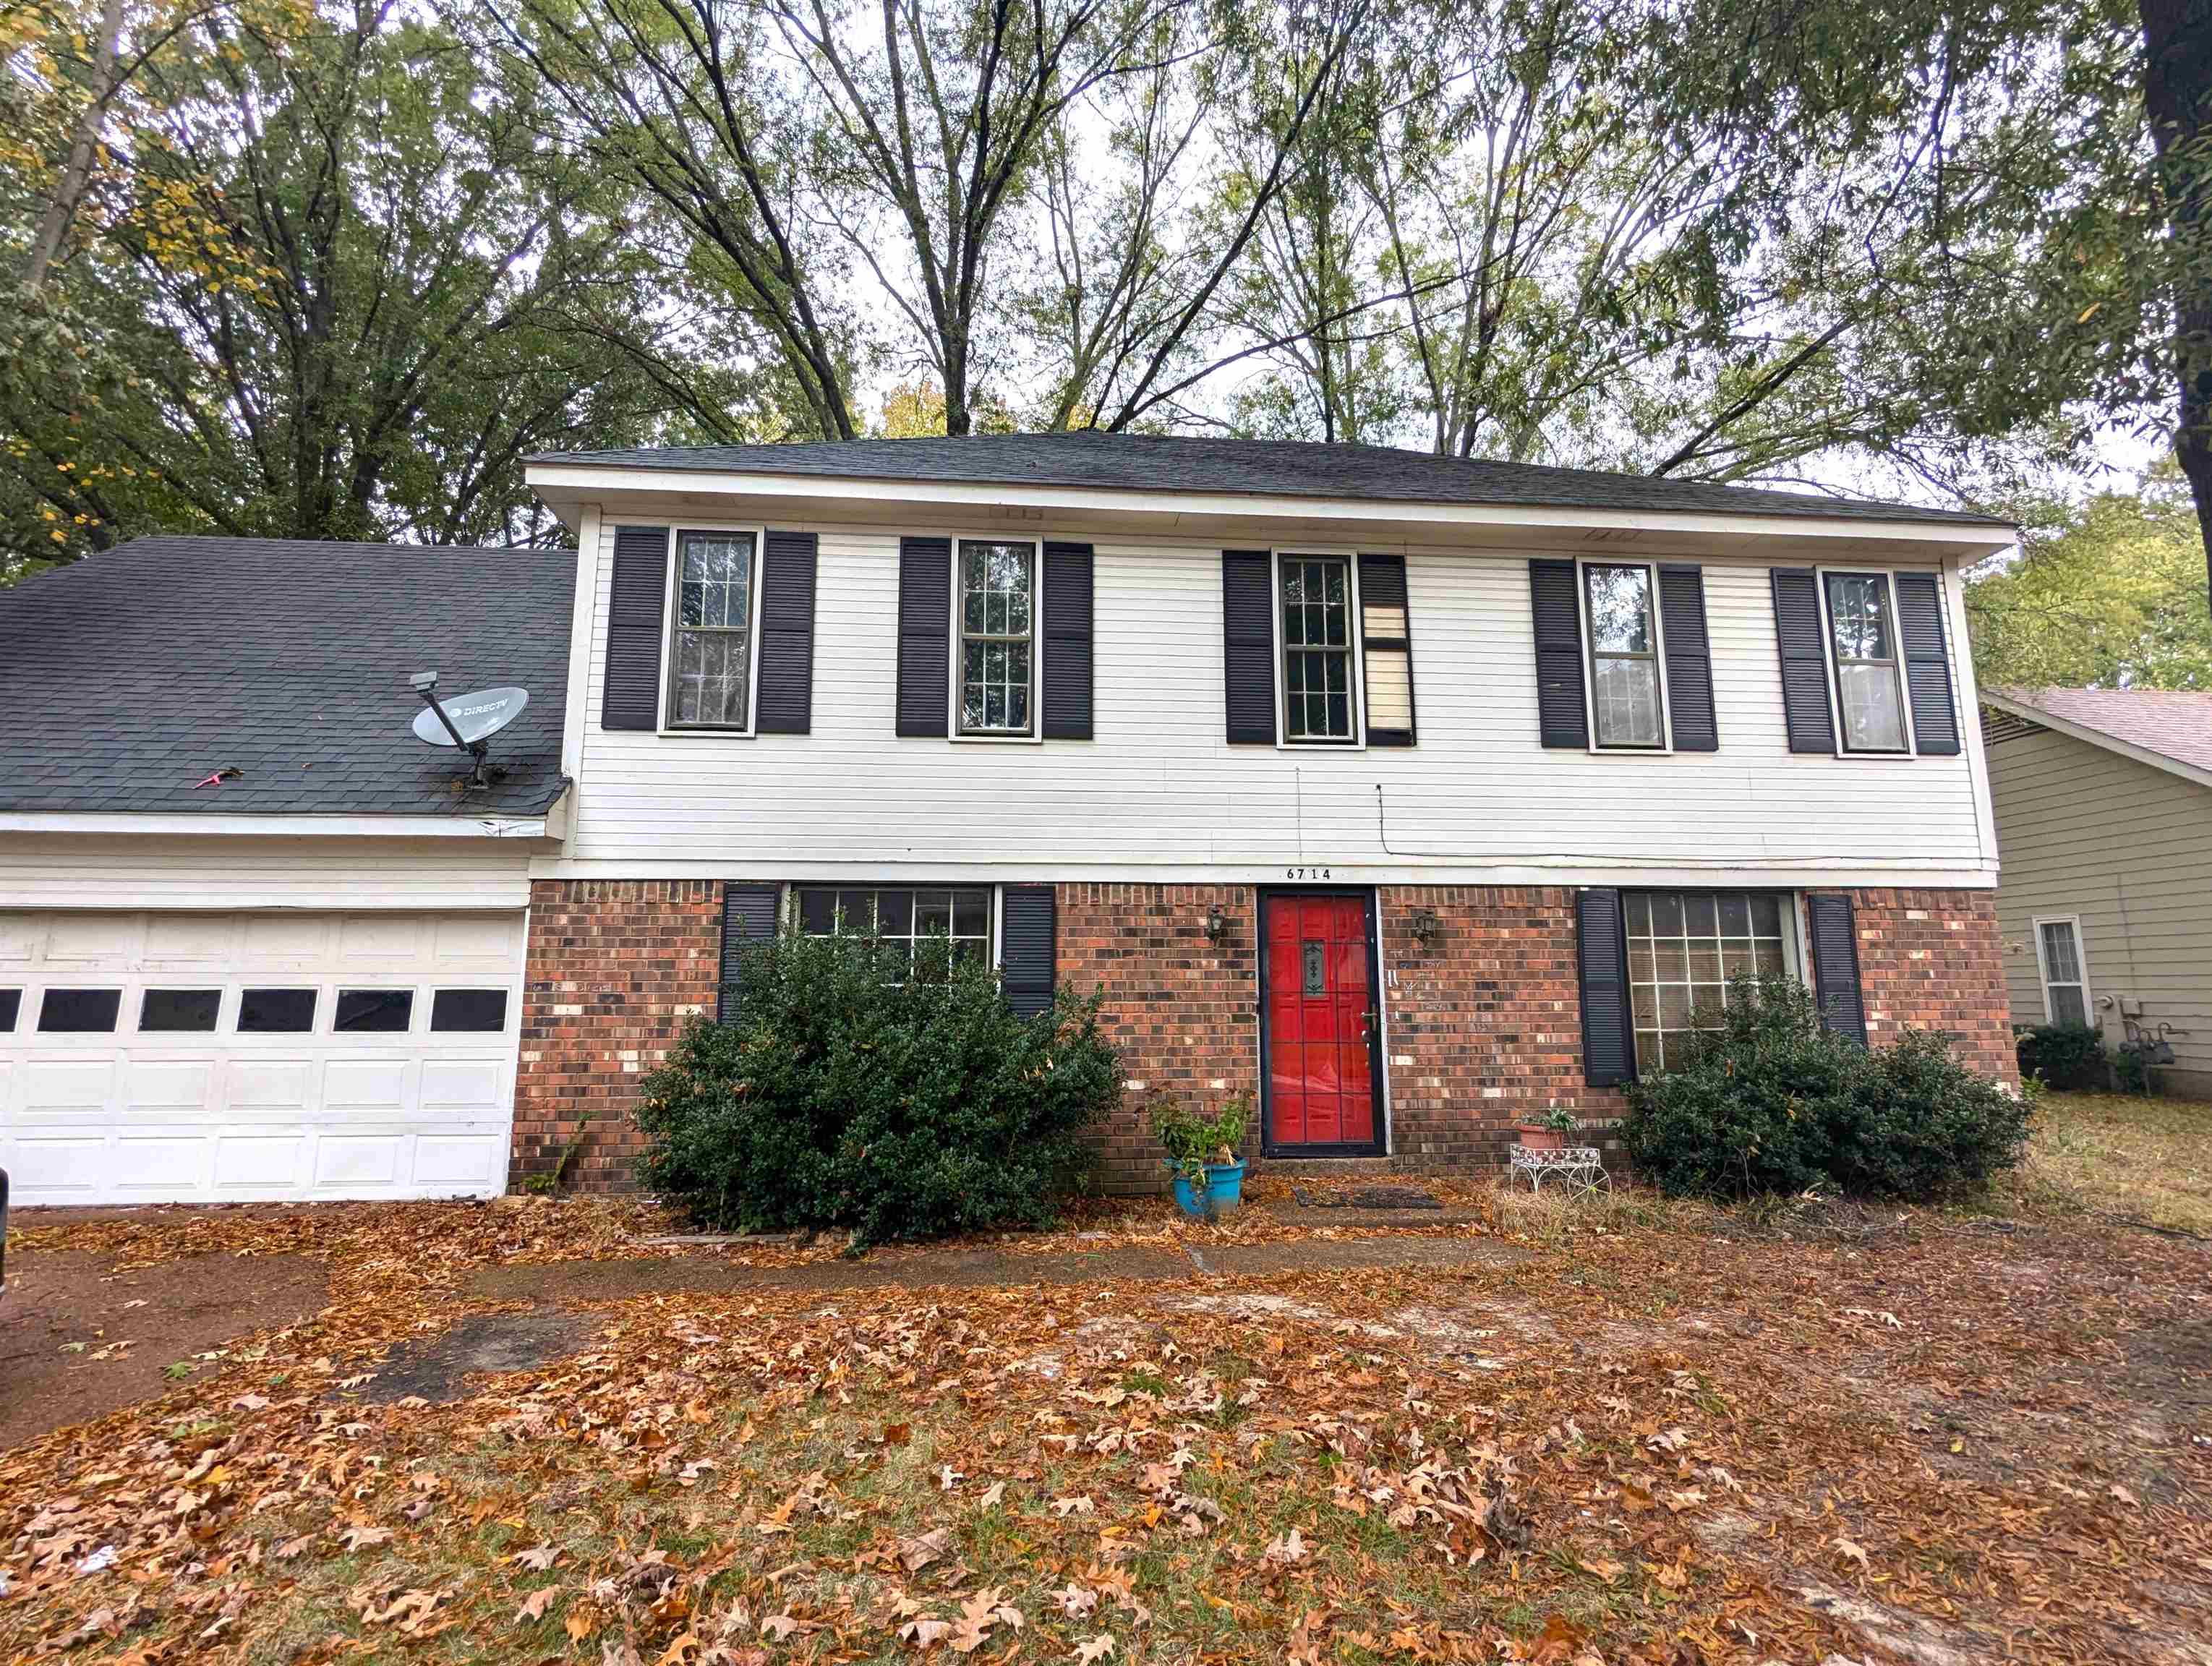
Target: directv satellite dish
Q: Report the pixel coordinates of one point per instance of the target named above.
(467, 720)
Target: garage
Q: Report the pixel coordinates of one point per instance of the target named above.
(175, 1057)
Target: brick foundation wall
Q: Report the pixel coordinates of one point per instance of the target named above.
(1484, 1025)
(1935, 960)
(615, 969)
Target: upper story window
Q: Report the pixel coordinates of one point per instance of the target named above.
(1863, 641)
(1316, 612)
(997, 607)
(1627, 706)
(710, 658)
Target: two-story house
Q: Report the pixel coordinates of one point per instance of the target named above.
(1404, 796)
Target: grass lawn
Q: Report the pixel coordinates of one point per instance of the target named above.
(2142, 1158)
(1665, 1434)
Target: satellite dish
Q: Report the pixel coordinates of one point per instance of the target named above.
(468, 719)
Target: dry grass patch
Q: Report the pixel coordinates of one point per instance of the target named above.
(2147, 1159)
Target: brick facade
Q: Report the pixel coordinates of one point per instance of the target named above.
(615, 968)
(1483, 1023)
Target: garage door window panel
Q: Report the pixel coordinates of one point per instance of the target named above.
(480, 1012)
(80, 1011)
(276, 1012)
(179, 1010)
(11, 1004)
(373, 1011)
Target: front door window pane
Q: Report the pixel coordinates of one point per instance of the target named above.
(1317, 650)
(710, 684)
(997, 607)
(1624, 656)
(1864, 640)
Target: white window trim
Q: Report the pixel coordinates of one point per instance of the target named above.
(1588, 639)
(2080, 959)
(1357, 631)
(674, 565)
(1888, 577)
(986, 738)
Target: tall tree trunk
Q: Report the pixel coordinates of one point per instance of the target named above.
(2178, 96)
(76, 171)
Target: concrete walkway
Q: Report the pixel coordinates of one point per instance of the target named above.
(969, 1269)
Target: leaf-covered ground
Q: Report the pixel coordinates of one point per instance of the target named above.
(1664, 1434)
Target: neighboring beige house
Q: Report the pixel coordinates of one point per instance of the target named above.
(2104, 809)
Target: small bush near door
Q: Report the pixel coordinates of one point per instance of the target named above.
(856, 1089)
(1772, 1102)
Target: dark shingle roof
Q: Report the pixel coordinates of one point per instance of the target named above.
(1288, 468)
(130, 676)
(2174, 723)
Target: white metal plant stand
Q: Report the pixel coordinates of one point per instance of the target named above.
(1579, 1170)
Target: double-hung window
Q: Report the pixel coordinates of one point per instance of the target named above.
(905, 916)
(2065, 986)
(1684, 945)
(1627, 705)
(1862, 643)
(997, 606)
(710, 678)
(1316, 598)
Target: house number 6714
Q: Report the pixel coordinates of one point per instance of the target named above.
(1309, 873)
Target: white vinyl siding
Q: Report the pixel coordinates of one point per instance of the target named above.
(1160, 794)
(2125, 850)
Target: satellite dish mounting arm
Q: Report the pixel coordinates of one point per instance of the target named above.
(425, 682)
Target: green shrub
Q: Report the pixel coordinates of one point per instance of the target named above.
(1772, 1102)
(852, 1090)
(2064, 1055)
(1191, 1141)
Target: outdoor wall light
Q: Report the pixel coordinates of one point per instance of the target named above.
(1426, 927)
(1217, 924)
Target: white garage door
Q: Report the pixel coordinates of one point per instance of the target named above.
(205, 1057)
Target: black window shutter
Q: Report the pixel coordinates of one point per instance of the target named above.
(1067, 631)
(1382, 585)
(1689, 659)
(924, 646)
(786, 647)
(1836, 966)
(1601, 952)
(1562, 714)
(1805, 708)
(1026, 948)
(1247, 646)
(639, 588)
(1927, 664)
(749, 919)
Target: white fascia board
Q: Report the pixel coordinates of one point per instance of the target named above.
(327, 827)
(562, 483)
(2082, 732)
(1499, 871)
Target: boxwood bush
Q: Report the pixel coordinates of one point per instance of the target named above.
(1772, 1102)
(853, 1089)
(2063, 1055)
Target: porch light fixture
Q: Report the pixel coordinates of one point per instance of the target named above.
(1217, 924)
(1426, 927)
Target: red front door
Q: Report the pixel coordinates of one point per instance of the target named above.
(1321, 1073)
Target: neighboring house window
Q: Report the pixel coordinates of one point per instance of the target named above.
(1862, 638)
(1684, 945)
(2065, 988)
(903, 915)
(1316, 611)
(1626, 701)
(997, 626)
(710, 664)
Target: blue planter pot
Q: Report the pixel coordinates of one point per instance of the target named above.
(1223, 1190)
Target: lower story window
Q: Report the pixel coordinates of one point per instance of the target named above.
(904, 914)
(1684, 945)
(2065, 991)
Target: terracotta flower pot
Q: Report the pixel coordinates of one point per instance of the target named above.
(1537, 1137)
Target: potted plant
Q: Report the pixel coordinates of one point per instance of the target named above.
(1551, 1132)
(1201, 1155)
